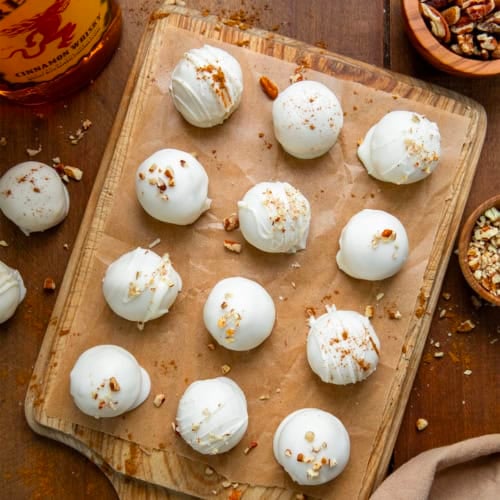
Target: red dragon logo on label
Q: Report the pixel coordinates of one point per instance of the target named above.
(46, 25)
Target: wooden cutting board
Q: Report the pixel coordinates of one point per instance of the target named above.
(155, 472)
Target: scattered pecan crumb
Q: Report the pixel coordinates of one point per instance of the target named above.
(33, 152)
(235, 495)
(211, 347)
(466, 326)
(269, 87)
(394, 314)
(442, 313)
(154, 243)
(310, 311)
(78, 135)
(3, 141)
(379, 296)
(264, 397)
(250, 447)
(309, 436)
(114, 385)
(231, 223)
(49, 284)
(159, 400)
(209, 471)
(446, 295)
(421, 424)
(468, 372)
(439, 354)
(3, 243)
(73, 172)
(369, 311)
(232, 246)
(225, 369)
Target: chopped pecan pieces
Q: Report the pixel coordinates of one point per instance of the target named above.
(460, 24)
(269, 87)
(49, 284)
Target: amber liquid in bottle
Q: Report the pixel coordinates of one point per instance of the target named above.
(81, 69)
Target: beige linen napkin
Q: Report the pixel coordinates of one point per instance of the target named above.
(466, 470)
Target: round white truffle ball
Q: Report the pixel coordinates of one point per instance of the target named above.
(373, 246)
(342, 347)
(307, 119)
(402, 148)
(312, 446)
(239, 313)
(206, 86)
(172, 186)
(33, 196)
(212, 415)
(12, 291)
(140, 285)
(274, 217)
(107, 381)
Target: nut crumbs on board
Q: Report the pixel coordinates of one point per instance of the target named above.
(232, 246)
(49, 284)
(159, 400)
(421, 424)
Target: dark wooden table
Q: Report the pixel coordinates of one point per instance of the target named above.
(457, 406)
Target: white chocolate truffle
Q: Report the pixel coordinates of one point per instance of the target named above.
(107, 381)
(212, 415)
(33, 196)
(140, 285)
(275, 217)
(373, 246)
(206, 86)
(172, 186)
(12, 291)
(239, 313)
(307, 119)
(342, 347)
(312, 446)
(402, 148)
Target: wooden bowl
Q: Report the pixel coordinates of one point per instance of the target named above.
(463, 244)
(438, 55)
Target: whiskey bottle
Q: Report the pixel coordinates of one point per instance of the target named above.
(51, 48)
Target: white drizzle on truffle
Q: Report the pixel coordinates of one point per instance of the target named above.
(212, 415)
(140, 285)
(274, 217)
(402, 148)
(206, 86)
(342, 347)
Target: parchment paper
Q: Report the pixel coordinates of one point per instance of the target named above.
(173, 349)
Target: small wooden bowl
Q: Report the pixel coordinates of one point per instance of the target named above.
(438, 55)
(463, 245)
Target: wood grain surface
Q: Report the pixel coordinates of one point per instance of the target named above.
(35, 467)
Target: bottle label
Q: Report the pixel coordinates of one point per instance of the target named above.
(41, 39)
